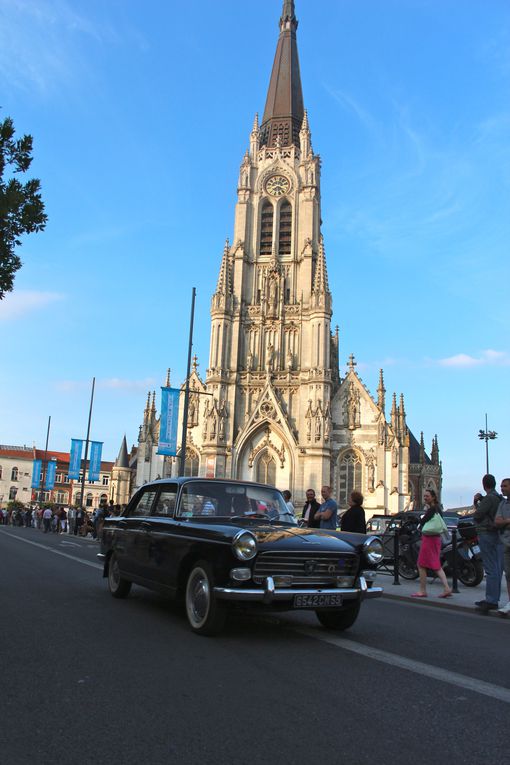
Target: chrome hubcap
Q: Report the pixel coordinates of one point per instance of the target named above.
(198, 597)
(114, 574)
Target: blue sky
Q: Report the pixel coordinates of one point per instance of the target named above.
(141, 114)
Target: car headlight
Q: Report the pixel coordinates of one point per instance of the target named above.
(244, 545)
(373, 550)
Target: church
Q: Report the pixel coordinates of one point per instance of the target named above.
(278, 410)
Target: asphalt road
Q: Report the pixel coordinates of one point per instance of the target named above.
(89, 679)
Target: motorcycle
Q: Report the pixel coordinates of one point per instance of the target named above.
(469, 559)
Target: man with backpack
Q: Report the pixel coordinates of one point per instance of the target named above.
(491, 546)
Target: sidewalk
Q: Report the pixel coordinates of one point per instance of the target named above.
(464, 600)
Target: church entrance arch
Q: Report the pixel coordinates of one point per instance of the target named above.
(265, 457)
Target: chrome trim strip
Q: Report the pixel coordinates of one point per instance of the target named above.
(269, 595)
(101, 556)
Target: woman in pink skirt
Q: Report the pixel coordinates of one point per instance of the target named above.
(430, 549)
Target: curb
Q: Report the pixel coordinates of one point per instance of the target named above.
(448, 606)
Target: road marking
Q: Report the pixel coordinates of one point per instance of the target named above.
(418, 667)
(56, 552)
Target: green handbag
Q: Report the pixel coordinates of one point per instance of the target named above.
(435, 526)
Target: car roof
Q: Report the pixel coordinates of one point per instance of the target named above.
(201, 479)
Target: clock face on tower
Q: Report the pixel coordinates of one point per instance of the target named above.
(278, 185)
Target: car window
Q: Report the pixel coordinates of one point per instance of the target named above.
(166, 502)
(200, 499)
(144, 504)
(195, 504)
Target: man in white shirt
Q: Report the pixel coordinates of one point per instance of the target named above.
(47, 516)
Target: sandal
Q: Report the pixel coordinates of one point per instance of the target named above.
(419, 595)
(446, 594)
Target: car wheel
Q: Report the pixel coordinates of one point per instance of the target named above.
(339, 620)
(205, 615)
(118, 586)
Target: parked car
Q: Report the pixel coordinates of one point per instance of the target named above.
(219, 544)
(378, 524)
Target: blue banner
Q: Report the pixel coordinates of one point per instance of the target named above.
(36, 474)
(168, 423)
(95, 460)
(51, 469)
(75, 458)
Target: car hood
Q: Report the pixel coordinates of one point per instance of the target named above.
(293, 537)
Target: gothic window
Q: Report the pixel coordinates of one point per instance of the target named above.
(12, 492)
(266, 469)
(266, 229)
(350, 477)
(191, 464)
(285, 229)
(14, 474)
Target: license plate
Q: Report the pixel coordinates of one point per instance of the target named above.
(317, 600)
(475, 549)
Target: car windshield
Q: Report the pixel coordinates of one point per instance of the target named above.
(204, 499)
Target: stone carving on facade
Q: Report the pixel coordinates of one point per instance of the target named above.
(381, 433)
(267, 444)
(370, 463)
(309, 417)
(193, 411)
(353, 407)
(269, 357)
(394, 457)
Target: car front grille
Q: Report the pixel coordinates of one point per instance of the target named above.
(313, 569)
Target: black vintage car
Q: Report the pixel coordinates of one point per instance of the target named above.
(220, 543)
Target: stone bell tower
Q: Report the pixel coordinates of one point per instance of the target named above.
(273, 363)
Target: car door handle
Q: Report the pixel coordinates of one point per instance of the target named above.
(146, 525)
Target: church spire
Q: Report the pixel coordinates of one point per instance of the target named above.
(284, 112)
(381, 392)
(422, 449)
(320, 282)
(394, 414)
(122, 460)
(224, 286)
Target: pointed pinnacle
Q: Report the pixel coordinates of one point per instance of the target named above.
(255, 128)
(167, 384)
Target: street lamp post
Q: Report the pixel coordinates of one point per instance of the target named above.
(487, 435)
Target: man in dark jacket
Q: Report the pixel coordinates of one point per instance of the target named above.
(490, 542)
(309, 510)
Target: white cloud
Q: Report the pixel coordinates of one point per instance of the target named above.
(485, 358)
(18, 304)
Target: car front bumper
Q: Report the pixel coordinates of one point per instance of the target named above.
(271, 594)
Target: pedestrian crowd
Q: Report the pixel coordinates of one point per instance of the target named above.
(59, 519)
(317, 515)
